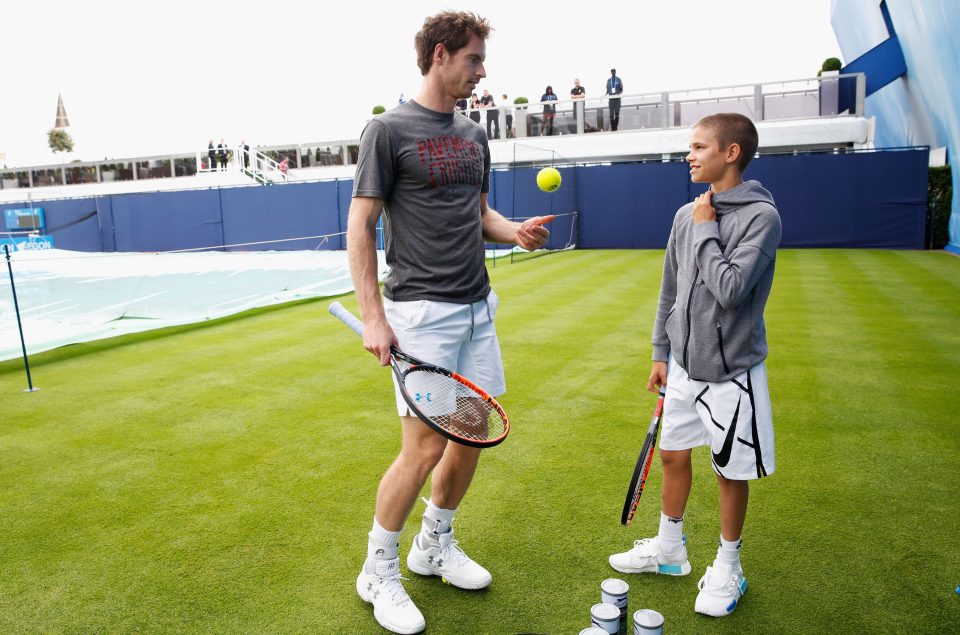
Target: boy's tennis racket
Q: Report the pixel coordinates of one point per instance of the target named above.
(635, 491)
(447, 402)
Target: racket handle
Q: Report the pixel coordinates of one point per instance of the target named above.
(340, 312)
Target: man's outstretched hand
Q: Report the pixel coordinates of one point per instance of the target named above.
(532, 235)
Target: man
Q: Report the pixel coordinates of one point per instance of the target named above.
(578, 92)
(614, 87)
(493, 115)
(245, 151)
(211, 156)
(222, 153)
(428, 171)
(508, 111)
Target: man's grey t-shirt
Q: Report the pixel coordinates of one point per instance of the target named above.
(430, 169)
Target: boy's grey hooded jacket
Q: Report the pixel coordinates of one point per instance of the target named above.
(716, 280)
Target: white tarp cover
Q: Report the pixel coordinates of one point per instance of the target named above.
(68, 297)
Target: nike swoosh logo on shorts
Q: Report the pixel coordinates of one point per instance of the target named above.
(723, 457)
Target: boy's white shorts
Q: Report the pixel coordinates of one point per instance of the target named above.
(732, 417)
(458, 337)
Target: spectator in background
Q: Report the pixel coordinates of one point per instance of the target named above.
(211, 156)
(508, 111)
(549, 112)
(462, 106)
(475, 108)
(614, 87)
(222, 153)
(245, 155)
(578, 92)
(493, 115)
(284, 167)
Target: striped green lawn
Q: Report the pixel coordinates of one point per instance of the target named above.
(220, 478)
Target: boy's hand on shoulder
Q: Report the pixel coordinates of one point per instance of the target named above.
(703, 210)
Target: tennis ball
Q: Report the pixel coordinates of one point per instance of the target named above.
(548, 179)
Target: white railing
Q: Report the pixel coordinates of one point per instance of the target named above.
(831, 95)
(251, 162)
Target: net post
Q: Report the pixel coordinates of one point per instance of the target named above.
(16, 308)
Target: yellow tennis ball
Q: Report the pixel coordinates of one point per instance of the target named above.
(548, 179)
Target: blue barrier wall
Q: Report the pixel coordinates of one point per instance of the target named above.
(870, 199)
(514, 193)
(630, 206)
(278, 213)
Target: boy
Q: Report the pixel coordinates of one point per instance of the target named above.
(709, 347)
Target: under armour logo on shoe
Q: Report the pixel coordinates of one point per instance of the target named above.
(439, 563)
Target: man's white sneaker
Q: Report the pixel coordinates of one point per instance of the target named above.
(392, 607)
(647, 557)
(720, 589)
(446, 559)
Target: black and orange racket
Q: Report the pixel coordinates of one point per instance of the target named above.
(447, 402)
(635, 491)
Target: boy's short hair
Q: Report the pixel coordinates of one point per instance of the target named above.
(731, 127)
(450, 28)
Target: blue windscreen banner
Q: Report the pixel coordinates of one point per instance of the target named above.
(857, 199)
(630, 206)
(515, 195)
(870, 199)
(292, 217)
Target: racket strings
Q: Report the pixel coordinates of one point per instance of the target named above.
(454, 406)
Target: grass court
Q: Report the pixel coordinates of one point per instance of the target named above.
(220, 477)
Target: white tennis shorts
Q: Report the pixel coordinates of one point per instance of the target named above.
(732, 417)
(458, 337)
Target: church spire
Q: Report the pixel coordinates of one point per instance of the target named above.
(62, 121)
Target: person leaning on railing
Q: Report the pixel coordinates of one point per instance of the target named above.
(549, 112)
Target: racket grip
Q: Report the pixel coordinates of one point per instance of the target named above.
(340, 312)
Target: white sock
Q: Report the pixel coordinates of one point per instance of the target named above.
(671, 533)
(729, 551)
(382, 544)
(436, 520)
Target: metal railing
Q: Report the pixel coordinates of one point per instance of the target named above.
(770, 101)
(831, 95)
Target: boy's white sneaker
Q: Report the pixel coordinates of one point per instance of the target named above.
(446, 559)
(647, 557)
(392, 607)
(721, 587)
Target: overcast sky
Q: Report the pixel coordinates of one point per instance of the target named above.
(141, 79)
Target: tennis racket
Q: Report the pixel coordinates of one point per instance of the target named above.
(635, 491)
(447, 402)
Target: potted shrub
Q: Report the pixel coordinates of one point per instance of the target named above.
(9, 179)
(830, 65)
